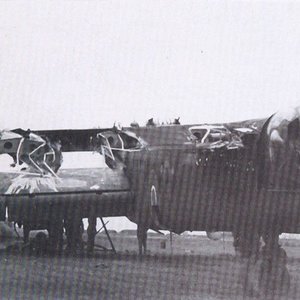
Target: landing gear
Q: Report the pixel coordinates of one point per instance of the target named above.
(274, 275)
(41, 243)
(263, 273)
(150, 217)
(142, 239)
(56, 240)
(92, 232)
(74, 230)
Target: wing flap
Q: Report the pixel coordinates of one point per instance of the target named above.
(46, 206)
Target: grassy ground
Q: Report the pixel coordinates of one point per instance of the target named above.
(192, 268)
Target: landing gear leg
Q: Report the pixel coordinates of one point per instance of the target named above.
(56, 236)
(274, 275)
(74, 229)
(142, 238)
(26, 231)
(247, 244)
(263, 273)
(91, 232)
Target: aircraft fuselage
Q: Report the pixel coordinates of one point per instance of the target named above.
(182, 187)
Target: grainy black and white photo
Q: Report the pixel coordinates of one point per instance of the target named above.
(150, 149)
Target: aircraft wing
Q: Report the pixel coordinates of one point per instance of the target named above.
(99, 191)
(30, 187)
(71, 139)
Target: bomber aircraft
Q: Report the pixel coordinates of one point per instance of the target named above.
(241, 177)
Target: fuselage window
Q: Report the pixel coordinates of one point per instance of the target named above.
(129, 142)
(199, 134)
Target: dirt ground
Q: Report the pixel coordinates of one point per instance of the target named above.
(190, 268)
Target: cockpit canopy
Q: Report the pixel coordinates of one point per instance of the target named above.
(112, 143)
(121, 140)
(213, 137)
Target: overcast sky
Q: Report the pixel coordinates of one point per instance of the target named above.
(87, 64)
